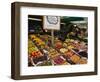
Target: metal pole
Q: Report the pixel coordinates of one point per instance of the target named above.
(52, 35)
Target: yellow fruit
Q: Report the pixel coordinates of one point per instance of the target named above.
(75, 58)
(83, 61)
(65, 44)
(70, 47)
(63, 50)
(32, 36)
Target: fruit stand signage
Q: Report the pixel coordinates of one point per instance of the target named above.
(52, 22)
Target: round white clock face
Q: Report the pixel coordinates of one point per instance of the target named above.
(52, 19)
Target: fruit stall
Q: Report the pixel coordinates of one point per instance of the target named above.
(70, 45)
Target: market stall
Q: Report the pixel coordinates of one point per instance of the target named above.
(70, 43)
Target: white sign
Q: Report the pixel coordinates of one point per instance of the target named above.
(51, 22)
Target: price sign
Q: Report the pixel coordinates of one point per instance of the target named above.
(52, 22)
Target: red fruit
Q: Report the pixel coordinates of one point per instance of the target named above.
(58, 60)
(58, 45)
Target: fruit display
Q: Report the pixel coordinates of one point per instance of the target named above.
(58, 44)
(66, 46)
(59, 60)
(37, 40)
(76, 44)
(83, 61)
(37, 54)
(41, 53)
(75, 58)
(63, 50)
(69, 53)
(31, 47)
(53, 53)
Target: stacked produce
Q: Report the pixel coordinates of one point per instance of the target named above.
(35, 54)
(75, 58)
(37, 40)
(33, 50)
(58, 44)
(53, 53)
(83, 61)
(63, 50)
(75, 44)
(59, 60)
(42, 53)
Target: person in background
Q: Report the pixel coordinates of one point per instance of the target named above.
(77, 33)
